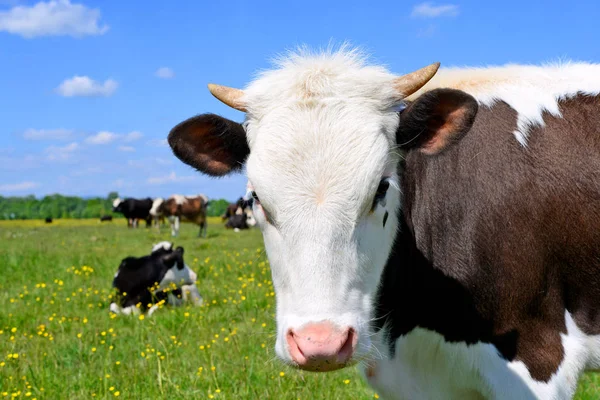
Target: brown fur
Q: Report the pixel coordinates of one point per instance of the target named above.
(193, 209)
(510, 236)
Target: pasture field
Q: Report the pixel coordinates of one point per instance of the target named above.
(58, 340)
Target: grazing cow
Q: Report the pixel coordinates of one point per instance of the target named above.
(48, 220)
(134, 210)
(160, 276)
(445, 232)
(106, 218)
(189, 208)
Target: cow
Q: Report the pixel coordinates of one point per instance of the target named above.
(442, 229)
(238, 222)
(48, 220)
(156, 212)
(189, 208)
(143, 284)
(234, 208)
(106, 218)
(134, 210)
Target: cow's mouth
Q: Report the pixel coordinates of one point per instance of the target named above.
(315, 354)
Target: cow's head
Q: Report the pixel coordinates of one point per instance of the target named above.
(175, 271)
(117, 204)
(321, 143)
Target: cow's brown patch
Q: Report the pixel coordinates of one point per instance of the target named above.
(499, 241)
(192, 209)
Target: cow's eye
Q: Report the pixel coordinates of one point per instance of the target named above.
(255, 197)
(382, 189)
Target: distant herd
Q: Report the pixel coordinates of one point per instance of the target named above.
(237, 216)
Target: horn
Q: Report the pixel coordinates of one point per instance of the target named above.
(227, 95)
(410, 83)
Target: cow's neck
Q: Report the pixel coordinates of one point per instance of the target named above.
(413, 293)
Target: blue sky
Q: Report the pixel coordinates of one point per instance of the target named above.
(90, 89)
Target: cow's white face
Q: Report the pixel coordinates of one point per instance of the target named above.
(321, 151)
(326, 199)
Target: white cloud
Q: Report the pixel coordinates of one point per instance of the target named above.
(61, 153)
(52, 18)
(429, 10)
(126, 148)
(47, 134)
(171, 178)
(103, 137)
(158, 142)
(132, 136)
(85, 86)
(18, 187)
(165, 73)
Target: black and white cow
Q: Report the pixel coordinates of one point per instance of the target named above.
(160, 277)
(241, 221)
(444, 231)
(134, 210)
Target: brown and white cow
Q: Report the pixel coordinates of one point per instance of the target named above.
(450, 239)
(188, 208)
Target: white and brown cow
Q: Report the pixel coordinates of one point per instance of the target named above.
(445, 233)
(188, 208)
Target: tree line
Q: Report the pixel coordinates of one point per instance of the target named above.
(59, 206)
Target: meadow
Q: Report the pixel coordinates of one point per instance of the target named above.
(58, 340)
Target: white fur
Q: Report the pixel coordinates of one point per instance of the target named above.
(425, 366)
(530, 90)
(321, 129)
(250, 220)
(115, 308)
(162, 245)
(175, 221)
(179, 199)
(116, 202)
(155, 206)
(178, 277)
(191, 294)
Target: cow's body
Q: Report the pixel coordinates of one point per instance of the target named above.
(134, 210)
(187, 208)
(143, 284)
(106, 218)
(242, 221)
(477, 274)
(48, 220)
(500, 246)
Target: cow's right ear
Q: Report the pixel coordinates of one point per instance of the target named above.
(210, 143)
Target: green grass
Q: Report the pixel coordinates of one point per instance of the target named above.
(54, 295)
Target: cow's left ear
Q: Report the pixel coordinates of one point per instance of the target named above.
(435, 120)
(210, 143)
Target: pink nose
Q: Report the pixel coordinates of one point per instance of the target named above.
(321, 346)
